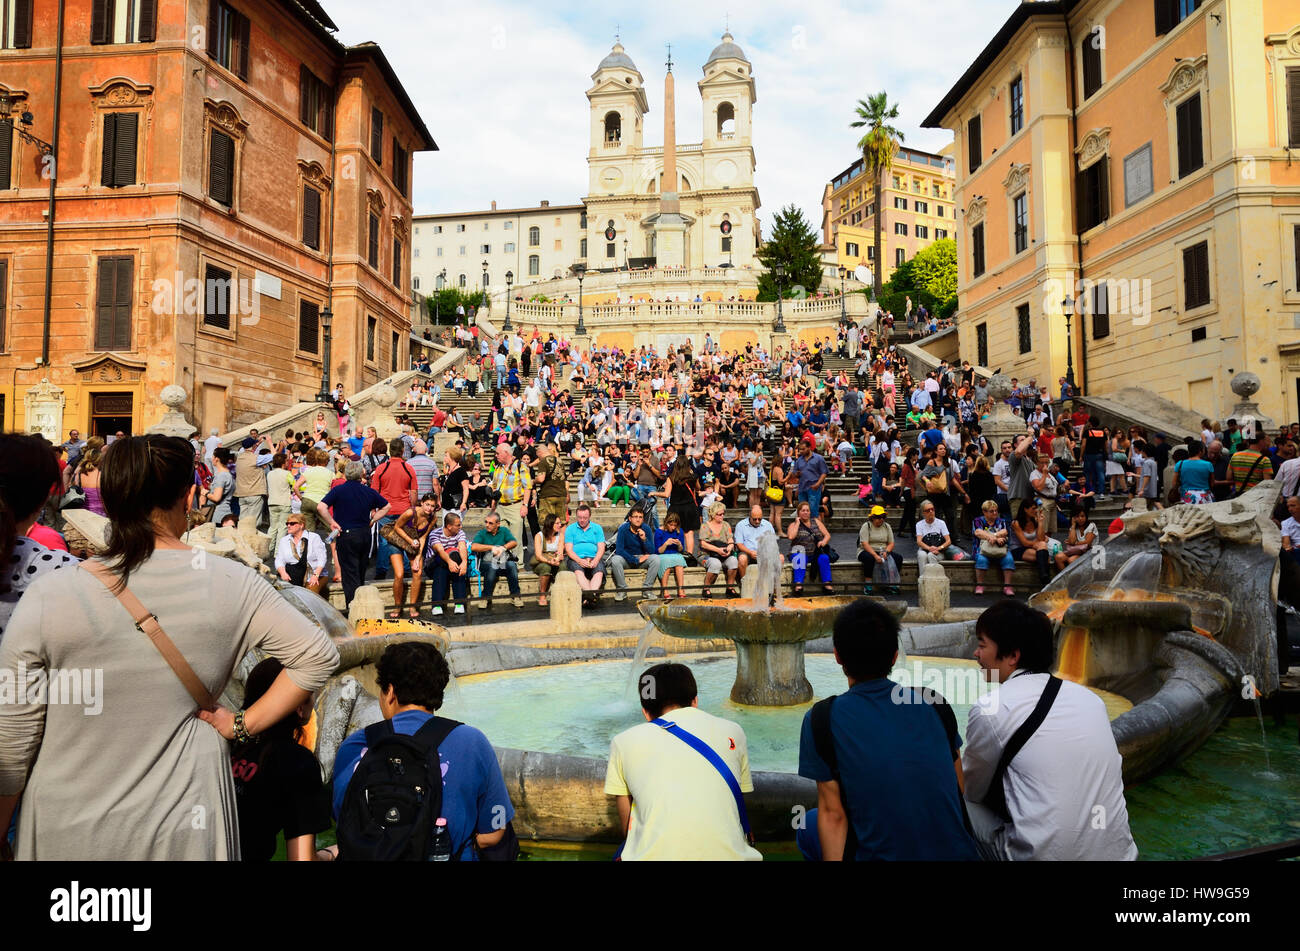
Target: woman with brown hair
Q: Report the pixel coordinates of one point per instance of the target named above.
(128, 783)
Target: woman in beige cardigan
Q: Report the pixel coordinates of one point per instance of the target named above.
(128, 766)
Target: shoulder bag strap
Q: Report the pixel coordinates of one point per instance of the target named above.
(1249, 474)
(996, 798)
(147, 623)
(824, 744)
(695, 743)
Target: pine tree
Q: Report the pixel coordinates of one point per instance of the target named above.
(793, 245)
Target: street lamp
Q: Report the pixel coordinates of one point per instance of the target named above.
(844, 314)
(627, 263)
(778, 272)
(50, 170)
(485, 283)
(510, 280)
(437, 296)
(326, 321)
(580, 271)
(1067, 308)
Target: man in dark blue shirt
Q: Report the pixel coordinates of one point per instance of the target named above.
(897, 775)
(634, 548)
(351, 509)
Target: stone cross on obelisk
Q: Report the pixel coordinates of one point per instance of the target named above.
(669, 224)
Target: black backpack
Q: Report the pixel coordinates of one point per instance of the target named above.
(394, 798)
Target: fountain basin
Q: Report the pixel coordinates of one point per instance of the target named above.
(769, 644)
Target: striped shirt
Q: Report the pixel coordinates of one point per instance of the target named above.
(1248, 469)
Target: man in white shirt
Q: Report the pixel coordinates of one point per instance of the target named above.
(748, 532)
(674, 804)
(209, 446)
(1061, 797)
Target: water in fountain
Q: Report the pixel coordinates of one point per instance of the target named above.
(1141, 572)
(1263, 739)
(649, 638)
(767, 590)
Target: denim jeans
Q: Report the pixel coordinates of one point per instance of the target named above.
(1094, 471)
(492, 573)
(814, 499)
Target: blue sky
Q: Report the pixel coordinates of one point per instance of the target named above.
(501, 84)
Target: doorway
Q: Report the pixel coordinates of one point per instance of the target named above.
(111, 413)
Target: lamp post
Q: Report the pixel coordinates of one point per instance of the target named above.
(1067, 308)
(437, 297)
(627, 262)
(580, 271)
(510, 280)
(778, 272)
(326, 321)
(485, 283)
(844, 314)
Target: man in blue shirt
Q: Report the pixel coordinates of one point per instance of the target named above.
(932, 437)
(810, 467)
(350, 510)
(412, 677)
(584, 546)
(634, 548)
(897, 775)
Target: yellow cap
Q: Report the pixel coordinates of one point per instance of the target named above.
(877, 510)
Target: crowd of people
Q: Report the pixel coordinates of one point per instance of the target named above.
(678, 439)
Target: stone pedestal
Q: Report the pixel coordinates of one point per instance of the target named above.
(1244, 386)
(782, 342)
(441, 443)
(770, 675)
(367, 604)
(934, 592)
(381, 416)
(749, 583)
(1001, 424)
(581, 341)
(566, 603)
(173, 422)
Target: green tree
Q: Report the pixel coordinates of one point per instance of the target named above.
(879, 146)
(793, 244)
(930, 278)
(442, 303)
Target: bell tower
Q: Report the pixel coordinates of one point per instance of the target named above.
(618, 109)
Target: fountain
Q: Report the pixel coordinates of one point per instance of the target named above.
(769, 631)
(1168, 614)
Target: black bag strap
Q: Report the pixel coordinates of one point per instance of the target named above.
(996, 798)
(1250, 474)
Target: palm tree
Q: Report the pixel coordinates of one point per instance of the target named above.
(878, 146)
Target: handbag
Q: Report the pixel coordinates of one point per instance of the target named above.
(389, 534)
(885, 572)
(74, 498)
(774, 495)
(990, 550)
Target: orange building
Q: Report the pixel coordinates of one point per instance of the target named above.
(226, 171)
(1138, 158)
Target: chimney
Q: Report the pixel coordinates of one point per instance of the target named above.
(546, 204)
(494, 206)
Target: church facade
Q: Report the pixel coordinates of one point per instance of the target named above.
(667, 205)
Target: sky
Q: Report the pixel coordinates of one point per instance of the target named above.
(501, 84)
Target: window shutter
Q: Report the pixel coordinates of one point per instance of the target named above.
(104, 303)
(221, 166)
(372, 250)
(23, 24)
(1166, 16)
(397, 262)
(4, 288)
(122, 304)
(1196, 275)
(214, 27)
(308, 327)
(6, 153)
(377, 136)
(148, 21)
(243, 26)
(1100, 311)
(217, 291)
(311, 217)
(107, 176)
(976, 145)
(1101, 186)
(1190, 153)
(124, 148)
(101, 22)
(1295, 246)
(1083, 191)
(305, 115)
(1293, 106)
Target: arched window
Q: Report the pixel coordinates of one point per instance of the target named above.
(534, 236)
(613, 128)
(534, 265)
(726, 121)
(462, 280)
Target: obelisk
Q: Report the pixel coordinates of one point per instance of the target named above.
(669, 225)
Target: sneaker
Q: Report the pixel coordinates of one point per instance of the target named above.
(517, 602)
(979, 589)
(1009, 591)
(460, 609)
(437, 611)
(650, 595)
(867, 590)
(620, 596)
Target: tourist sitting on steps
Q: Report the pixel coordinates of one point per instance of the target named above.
(991, 537)
(933, 541)
(584, 546)
(809, 543)
(1051, 793)
(679, 780)
(898, 795)
(880, 563)
(634, 548)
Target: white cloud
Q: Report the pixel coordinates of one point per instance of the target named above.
(500, 85)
